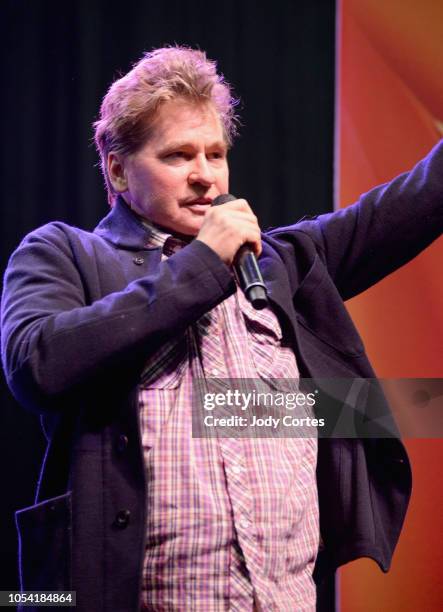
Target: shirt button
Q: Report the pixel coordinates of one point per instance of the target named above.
(236, 469)
(122, 519)
(138, 261)
(214, 372)
(244, 523)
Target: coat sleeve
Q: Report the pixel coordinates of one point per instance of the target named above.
(54, 342)
(386, 228)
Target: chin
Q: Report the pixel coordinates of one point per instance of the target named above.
(189, 229)
(189, 226)
(183, 230)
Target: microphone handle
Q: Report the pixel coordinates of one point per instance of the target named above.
(246, 268)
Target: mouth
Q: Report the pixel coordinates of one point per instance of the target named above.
(199, 202)
(199, 205)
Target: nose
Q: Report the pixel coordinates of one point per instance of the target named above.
(201, 172)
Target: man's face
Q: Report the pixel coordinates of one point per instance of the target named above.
(181, 168)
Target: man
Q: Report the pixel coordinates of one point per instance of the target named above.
(105, 333)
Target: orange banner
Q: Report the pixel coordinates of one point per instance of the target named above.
(389, 115)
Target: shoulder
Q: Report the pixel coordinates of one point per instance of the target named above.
(58, 236)
(56, 250)
(56, 233)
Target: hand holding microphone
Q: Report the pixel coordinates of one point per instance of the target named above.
(232, 231)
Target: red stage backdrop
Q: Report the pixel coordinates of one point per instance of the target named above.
(390, 114)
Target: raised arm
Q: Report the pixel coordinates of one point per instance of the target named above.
(385, 229)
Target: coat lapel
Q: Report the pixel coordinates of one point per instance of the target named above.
(276, 280)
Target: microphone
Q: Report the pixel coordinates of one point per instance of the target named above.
(246, 268)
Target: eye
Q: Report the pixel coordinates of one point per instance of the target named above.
(176, 154)
(216, 155)
(176, 157)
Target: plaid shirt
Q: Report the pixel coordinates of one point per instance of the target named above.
(232, 522)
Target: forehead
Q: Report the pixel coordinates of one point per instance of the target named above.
(183, 120)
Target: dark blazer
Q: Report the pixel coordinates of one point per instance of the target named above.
(82, 312)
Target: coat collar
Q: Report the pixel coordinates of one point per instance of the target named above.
(123, 228)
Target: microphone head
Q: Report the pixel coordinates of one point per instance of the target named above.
(222, 199)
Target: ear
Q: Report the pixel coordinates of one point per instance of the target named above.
(116, 172)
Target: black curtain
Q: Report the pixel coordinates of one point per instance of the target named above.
(58, 60)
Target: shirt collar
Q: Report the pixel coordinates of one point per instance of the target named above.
(169, 243)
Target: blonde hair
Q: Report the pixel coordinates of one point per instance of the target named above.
(128, 109)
